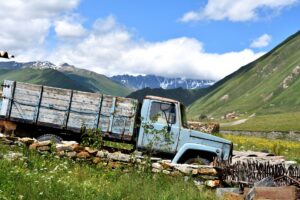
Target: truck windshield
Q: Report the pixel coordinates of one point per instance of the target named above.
(183, 116)
(163, 113)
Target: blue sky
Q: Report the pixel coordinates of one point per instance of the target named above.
(192, 38)
(158, 20)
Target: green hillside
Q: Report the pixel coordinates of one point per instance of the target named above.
(96, 82)
(47, 77)
(67, 77)
(268, 86)
(183, 95)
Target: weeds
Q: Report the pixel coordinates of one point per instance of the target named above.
(50, 177)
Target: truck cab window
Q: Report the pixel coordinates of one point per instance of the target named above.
(161, 112)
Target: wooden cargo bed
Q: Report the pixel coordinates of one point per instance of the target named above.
(69, 109)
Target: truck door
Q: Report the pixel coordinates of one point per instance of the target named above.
(161, 130)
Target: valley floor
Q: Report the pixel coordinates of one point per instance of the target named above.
(284, 122)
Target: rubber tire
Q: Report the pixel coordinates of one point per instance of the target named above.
(54, 138)
(197, 161)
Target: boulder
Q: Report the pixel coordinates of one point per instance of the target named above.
(27, 140)
(44, 143)
(157, 166)
(91, 150)
(167, 164)
(60, 153)
(184, 169)
(212, 183)
(71, 154)
(154, 170)
(119, 157)
(207, 171)
(83, 154)
(69, 143)
(77, 148)
(33, 146)
(43, 148)
(102, 154)
(63, 147)
(96, 160)
(166, 172)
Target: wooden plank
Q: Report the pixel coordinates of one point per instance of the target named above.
(52, 116)
(78, 120)
(23, 112)
(85, 97)
(104, 123)
(54, 104)
(56, 93)
(26, 98)
(22, 92)
(27, 87)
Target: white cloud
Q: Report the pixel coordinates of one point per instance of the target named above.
(25, 23)
(108, 47)
(239, 10)
(262, 41)
(111, 49)
(66, 29)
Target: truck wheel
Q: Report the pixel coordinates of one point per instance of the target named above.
(197, 161)
(54, 138)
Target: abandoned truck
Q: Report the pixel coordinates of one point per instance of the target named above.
(36, 109)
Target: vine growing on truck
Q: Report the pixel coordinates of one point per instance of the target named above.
(162, 137)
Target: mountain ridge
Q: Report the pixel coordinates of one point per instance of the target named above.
(152, 81)
(71, 77)
(267, 85)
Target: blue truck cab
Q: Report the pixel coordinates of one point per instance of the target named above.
(186, 145)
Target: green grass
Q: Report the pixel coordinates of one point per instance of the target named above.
(289, 149)
(257, 87)
(50, 177)
(271, 122)
(47, 77)
(98, 82)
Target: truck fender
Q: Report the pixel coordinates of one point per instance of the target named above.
(199, 147)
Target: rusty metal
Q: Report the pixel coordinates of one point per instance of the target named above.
(161, 99)
(251, 172)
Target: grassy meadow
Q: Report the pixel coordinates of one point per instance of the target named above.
(46, 176)
(289, 149)
(271, 122)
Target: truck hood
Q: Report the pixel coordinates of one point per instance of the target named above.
(205, 136)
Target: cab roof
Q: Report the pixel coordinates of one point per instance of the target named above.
(161, 99)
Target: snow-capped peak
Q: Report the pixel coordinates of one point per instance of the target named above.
(40, 65)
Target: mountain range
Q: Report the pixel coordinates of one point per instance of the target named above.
(71, 77)
(152, 81)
